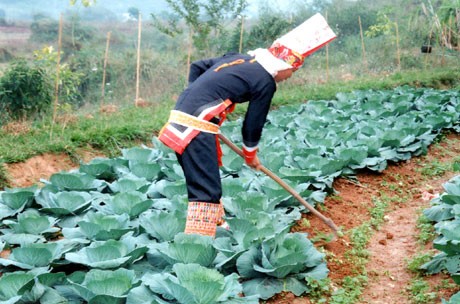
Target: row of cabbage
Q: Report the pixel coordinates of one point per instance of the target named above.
(445, 213)
(111, 230)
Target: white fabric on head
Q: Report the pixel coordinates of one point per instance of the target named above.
(309, 36)
(269, 62)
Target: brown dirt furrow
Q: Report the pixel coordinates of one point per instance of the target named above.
(390, 249)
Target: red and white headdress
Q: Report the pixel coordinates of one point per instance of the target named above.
(290, 50)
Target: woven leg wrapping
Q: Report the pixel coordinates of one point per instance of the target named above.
(202, 218)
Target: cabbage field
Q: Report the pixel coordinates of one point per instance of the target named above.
(111, 230)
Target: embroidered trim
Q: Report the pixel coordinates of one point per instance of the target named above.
(238, 61)
(202, 218)
(193, 122)
(177, 139)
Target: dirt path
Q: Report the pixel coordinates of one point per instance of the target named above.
(397, 241)
(390, 247)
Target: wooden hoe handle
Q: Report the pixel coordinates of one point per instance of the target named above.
(289, 189)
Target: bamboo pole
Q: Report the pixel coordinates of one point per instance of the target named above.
(241, 34)
(58, 70)
(443, 53)
(362, 44)
(105, 68)
(398, 51)
(138, 66)
(189, 54)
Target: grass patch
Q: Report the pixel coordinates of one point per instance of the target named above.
(417, 261)
(420, 292)
(427, 232)
(130, 126)
(434, 169)
(108, 133)
(4, 179)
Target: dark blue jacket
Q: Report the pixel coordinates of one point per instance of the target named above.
(236, 77)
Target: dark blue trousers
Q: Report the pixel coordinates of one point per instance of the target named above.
(201, 169)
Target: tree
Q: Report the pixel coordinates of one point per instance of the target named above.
(201, 17)
(133, 13)
(269, 27)
(344, 15)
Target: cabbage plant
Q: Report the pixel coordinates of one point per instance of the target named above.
(11, 283)
(195, 284)
(281, 263)
(186, 248)
(143, 162)
(129, 183)
(131, 203)
(13, 201)
(163, 225)
(109, 254)
(99, 227)
(104, 168)
(76, 181)
(63, 203)
(103, 286)
(26, 287)
(30, 227)
(250, 227)
(168, 189)
(35, 255)
(34, 286)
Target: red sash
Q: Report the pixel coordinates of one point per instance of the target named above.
(178, 140)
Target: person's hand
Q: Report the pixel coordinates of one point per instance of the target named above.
(251, 159)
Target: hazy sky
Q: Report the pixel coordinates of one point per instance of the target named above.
(19, 9)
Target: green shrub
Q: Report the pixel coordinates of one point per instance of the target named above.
(25, 91)
(69, 78)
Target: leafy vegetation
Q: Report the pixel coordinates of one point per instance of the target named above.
(127, 212)
(444, 215)
(25, 91)
(109, 213)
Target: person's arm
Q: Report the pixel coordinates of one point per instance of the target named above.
(253, 124)
(256, 117)
(199, 67)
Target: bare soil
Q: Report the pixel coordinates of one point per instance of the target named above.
(391, 246)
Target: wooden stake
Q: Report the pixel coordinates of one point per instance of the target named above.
(105, 68)
(362, 44)
(138, 67)
(397, 47)
(241, 34)
(58, 70)
(189, 55)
